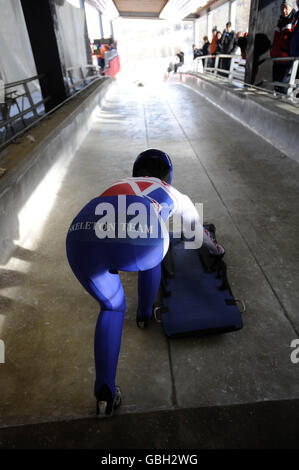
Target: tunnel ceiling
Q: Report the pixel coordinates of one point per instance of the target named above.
(143, 8)
(137, 8)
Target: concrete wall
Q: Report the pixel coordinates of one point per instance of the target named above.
(53, 154)
(263, 115)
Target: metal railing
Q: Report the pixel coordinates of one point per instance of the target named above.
(19, 102)
(231, 67)
(82, 75)
(292, 84)
(109, 55)
(22, 108)
(235, 72)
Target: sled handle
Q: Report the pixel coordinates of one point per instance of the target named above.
(242, 303)
(156, 310)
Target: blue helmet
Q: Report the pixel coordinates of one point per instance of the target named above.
(153, 162)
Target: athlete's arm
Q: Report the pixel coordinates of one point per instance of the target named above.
(190, 218)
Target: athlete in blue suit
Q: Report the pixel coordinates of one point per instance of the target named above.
(124, 229)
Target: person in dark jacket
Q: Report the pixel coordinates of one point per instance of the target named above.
(228, 39)
(218, 43)
(228, 43)
(282, 44)
(205, 50)
(218, 47)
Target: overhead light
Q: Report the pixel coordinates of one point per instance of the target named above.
(106, 7)
(176, 10)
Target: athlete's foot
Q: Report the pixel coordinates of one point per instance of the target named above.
(105, 403)
(142, 321)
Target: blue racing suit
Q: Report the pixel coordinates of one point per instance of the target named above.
(106, 237)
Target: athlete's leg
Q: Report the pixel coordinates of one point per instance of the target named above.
(108, 289)
(91, 259)
(89, 263)
(148, 286)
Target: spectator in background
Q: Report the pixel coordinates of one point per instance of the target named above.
(218, 43)
(282, 44)
(213, 44)
(180, 56)
(228, 43)
(219, 49)
(242, 43)
(101, 59)
(205, 50)
(294, 48)
(228, 39)
(218, 46)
